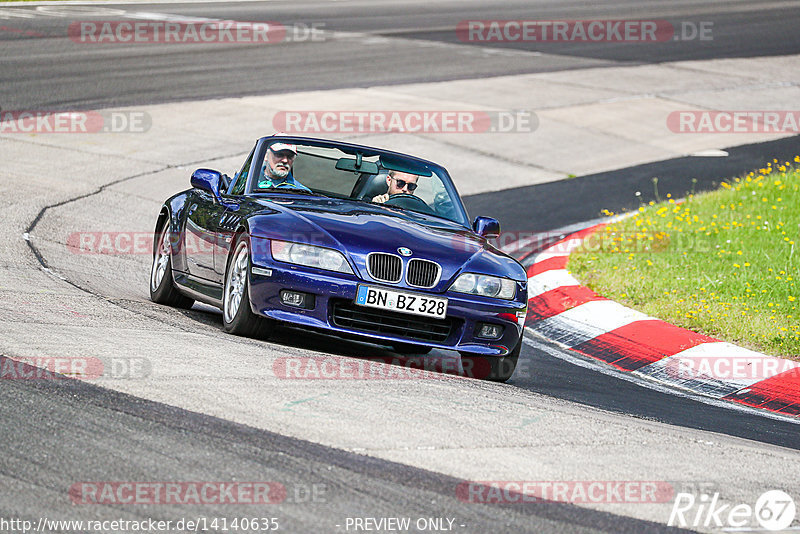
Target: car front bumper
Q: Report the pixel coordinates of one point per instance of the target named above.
(334, 311)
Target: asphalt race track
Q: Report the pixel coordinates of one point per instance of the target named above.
(381, 44)
(208, 407)
(323, 485)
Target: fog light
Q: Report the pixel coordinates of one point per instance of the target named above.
(489, 331)
(296, 299)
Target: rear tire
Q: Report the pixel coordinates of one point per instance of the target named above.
(162, 286)
(237, 316)
(492, 368)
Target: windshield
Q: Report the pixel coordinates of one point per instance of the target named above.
(376, 178)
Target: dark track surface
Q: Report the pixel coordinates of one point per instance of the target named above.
(47, 70)
(584, 386)
(566, 202)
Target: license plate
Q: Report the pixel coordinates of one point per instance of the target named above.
(387, 299)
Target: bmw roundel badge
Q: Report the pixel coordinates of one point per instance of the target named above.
(404, 251)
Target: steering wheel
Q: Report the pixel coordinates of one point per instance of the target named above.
(405, 200)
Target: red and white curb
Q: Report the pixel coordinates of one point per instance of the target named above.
(576, 318)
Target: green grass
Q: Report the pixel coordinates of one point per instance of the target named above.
(723, 263)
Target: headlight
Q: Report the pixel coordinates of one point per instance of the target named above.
(310, 256)
(485, 286)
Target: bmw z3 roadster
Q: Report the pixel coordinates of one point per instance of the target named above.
(351, 240)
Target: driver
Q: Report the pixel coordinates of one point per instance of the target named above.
(277, 169)
(398, 182)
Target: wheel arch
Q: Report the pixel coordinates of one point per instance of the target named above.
(241, 228)
(163, 217)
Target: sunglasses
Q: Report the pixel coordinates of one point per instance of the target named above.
(402, 184)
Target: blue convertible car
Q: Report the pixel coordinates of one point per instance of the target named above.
(313, 233)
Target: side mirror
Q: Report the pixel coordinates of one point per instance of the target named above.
(207, 180)
(487, 227)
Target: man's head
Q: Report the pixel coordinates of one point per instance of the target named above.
(280, 158)
(401, 182)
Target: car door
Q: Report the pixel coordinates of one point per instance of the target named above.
(202, 234)
(231, 217)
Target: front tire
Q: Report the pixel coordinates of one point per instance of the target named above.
(492, 368)
(237, 316)
(162, 287)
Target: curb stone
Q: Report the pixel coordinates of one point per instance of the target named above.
(578, 319)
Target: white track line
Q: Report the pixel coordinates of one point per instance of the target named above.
(588, 321)
(702, 368)
(549, 280)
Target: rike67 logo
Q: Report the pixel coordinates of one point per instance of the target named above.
(774, 510)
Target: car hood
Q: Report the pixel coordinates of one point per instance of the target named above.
(359, 228)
